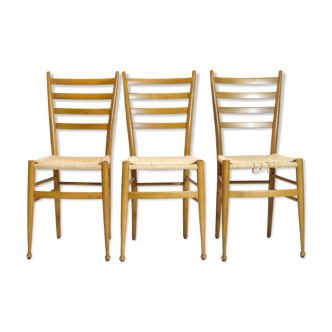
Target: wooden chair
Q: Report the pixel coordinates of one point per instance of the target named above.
(185, 163)
(57, 163)
(271, 162)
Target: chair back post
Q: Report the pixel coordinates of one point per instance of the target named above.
(129, 120)
(216, 115)
(51, 116)
(276, 116)
(111, 117)
(190, 115)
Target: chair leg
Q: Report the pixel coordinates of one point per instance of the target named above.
(134, 205)
(300, 197)
(56, 174)
(201, 203)
(218, 203)
(225, 199)
(110, 190)
(185, 204)
(124, 206)
(270, 203)
(106, 205)
(31, 188)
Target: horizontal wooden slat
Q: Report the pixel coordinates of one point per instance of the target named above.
(175, 125)
(246, 110)
(44, 181)
(80, 183)
(180, 110)
(182, 95)
(249, 181)
(159, 80)
(263, 193)
(66, 195)
(37, 199)
(164, 194)
(82, 126)
(246, 125)
(284, 179)
(246, 95)
(147, 184)
(86, 111)
(230, 80)
(80, 81)
(82, 96)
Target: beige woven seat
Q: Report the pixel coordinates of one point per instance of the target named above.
(186, 162)
(132, 166)
(57, 163)
(269, 161)
(242, 103)
(71, 163)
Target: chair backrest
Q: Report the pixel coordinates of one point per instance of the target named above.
(85, 111)
(275, 110)
(180, 110)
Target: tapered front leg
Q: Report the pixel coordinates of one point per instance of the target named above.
(300, 198)
(106, 205)
(218, 200)
(225, 199)
(185, 204)
(31, 188)
(270, 202)
(124, 206)
(56, 175)
(134, 205)
(201, 203)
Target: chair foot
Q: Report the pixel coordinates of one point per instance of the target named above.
(185, 237)
(107, 257)
(223, 258)
(59, 237)
(29, 256)
(217, 237)
(122, 258)
(203, 256)
(302, 254)
(269, 235)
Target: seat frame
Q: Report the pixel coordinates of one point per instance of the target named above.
(223, 168)
(198, 195)
(105, 183)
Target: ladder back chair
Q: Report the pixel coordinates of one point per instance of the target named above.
(271, 162)
(57, 163)
(185, 163)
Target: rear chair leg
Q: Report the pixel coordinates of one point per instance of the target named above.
(225, 199)
(124, 206)
(106, 205)
(134, 205)
(109, 179)
(56, 175)
(270, 203)
(218, 203)
(185, 204)
(201, 203)
(300, 197)
(31, 188)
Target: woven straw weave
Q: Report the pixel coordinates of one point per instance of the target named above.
(71, 163)
(186, 162)
(270, 161)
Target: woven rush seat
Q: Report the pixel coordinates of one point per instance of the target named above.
(269, 161)
(71, 163)
(186, 162)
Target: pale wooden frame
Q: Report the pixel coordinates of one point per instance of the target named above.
(222, 170)
(33, 195)
(197, 195)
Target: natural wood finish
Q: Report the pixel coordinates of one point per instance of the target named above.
(263, 80)
(225, 199)
(195, 199)
(164, 194)
(83, 96)
(160, 184)
(300, 197)
(82, 81)
(173, 125)
(248, 125)
(263, 193)
(44, 181)
(37, 199)
(124, 206)
(183, 95)
(292, 198)
(159, 80)
(201, 203)
(271, 183)
(246, 95)
(80, 183)
(218, 199)
(185, 194)
(84, 111)
(284, 179)
(67, 195)
(51, 116)
(187, 178)
(31, 188)
(179, 110)
(106, 205)
(247, 181)
(82, 126)
(246, 110)
(131, 180)
(56, 175)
